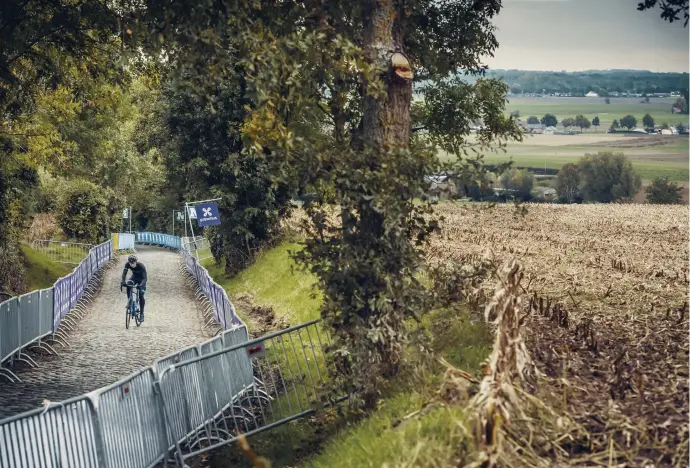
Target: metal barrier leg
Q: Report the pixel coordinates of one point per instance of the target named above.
(61, 338)
(45, 346)
(25, 358)
(9, 375)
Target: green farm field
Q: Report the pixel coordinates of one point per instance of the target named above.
(651, 155)
(562, 107)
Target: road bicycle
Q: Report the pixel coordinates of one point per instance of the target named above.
(132, 309)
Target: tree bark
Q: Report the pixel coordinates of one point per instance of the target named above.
(386, 121)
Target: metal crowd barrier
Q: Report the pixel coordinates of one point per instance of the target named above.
(221, 309)
(62, 252)
(193, 401)
(161, 240)
(198, 247)
(26, 320)
(178, 409)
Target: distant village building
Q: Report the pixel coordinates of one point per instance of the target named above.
(536, 128)
(591, 94)
(550, 131)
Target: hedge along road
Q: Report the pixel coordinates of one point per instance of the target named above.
(101, 350)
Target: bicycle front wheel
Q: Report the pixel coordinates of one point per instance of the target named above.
(128, 317)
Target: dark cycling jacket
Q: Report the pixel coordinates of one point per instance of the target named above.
(138, 274)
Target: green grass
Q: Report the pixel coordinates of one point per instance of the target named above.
(328, 440)
(659, 109)
(647, 170)
(272, 280)
(40, 271)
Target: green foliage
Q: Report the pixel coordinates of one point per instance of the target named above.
(87, 212)
(204, 158)
(602, 82)
(568, 122)
(607, 177)
(629, 122)
(661, 191)
(648, 121)
(519, 180)
(366, 251)
(450, 109)
(669, 9)
(582, 122)
(568, 183)
(596, 122)
(615, 125)
(549, 120)
(532, 120)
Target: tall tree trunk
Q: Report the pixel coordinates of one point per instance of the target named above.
(386, 121)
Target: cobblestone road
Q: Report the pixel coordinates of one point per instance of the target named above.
(102, 350)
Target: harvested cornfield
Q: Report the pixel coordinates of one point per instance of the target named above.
(606, 312)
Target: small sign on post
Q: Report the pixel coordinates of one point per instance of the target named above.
(125, 213)
(209, 214)
(256, 351)
(180, 215)
(192, 212)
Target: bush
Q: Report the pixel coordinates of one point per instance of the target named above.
(663, 192)
(520, 180)
(567, 183)
(85, 211)
(607, 177)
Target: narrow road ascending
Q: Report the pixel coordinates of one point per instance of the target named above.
(102, 350)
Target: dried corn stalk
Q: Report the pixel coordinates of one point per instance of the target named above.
(508, 364)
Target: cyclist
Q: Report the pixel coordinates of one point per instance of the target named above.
(138, 276)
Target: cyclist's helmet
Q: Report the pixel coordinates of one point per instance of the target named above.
(132, 259)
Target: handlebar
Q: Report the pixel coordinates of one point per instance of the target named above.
(129, 284)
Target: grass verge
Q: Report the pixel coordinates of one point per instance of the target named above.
(40, 271)
(388, 435)
(274, 280)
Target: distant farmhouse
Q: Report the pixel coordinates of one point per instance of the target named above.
(532, 128)
(591, 94)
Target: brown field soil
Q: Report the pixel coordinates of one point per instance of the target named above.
(605, 303)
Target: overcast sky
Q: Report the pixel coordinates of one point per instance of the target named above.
(585, 35)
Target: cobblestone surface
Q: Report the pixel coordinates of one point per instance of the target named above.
(102, 351)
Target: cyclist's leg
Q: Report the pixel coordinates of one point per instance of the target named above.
(142, 301)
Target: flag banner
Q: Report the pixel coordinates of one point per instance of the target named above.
(208, 214)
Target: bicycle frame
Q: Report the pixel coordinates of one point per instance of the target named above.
(133, 310)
